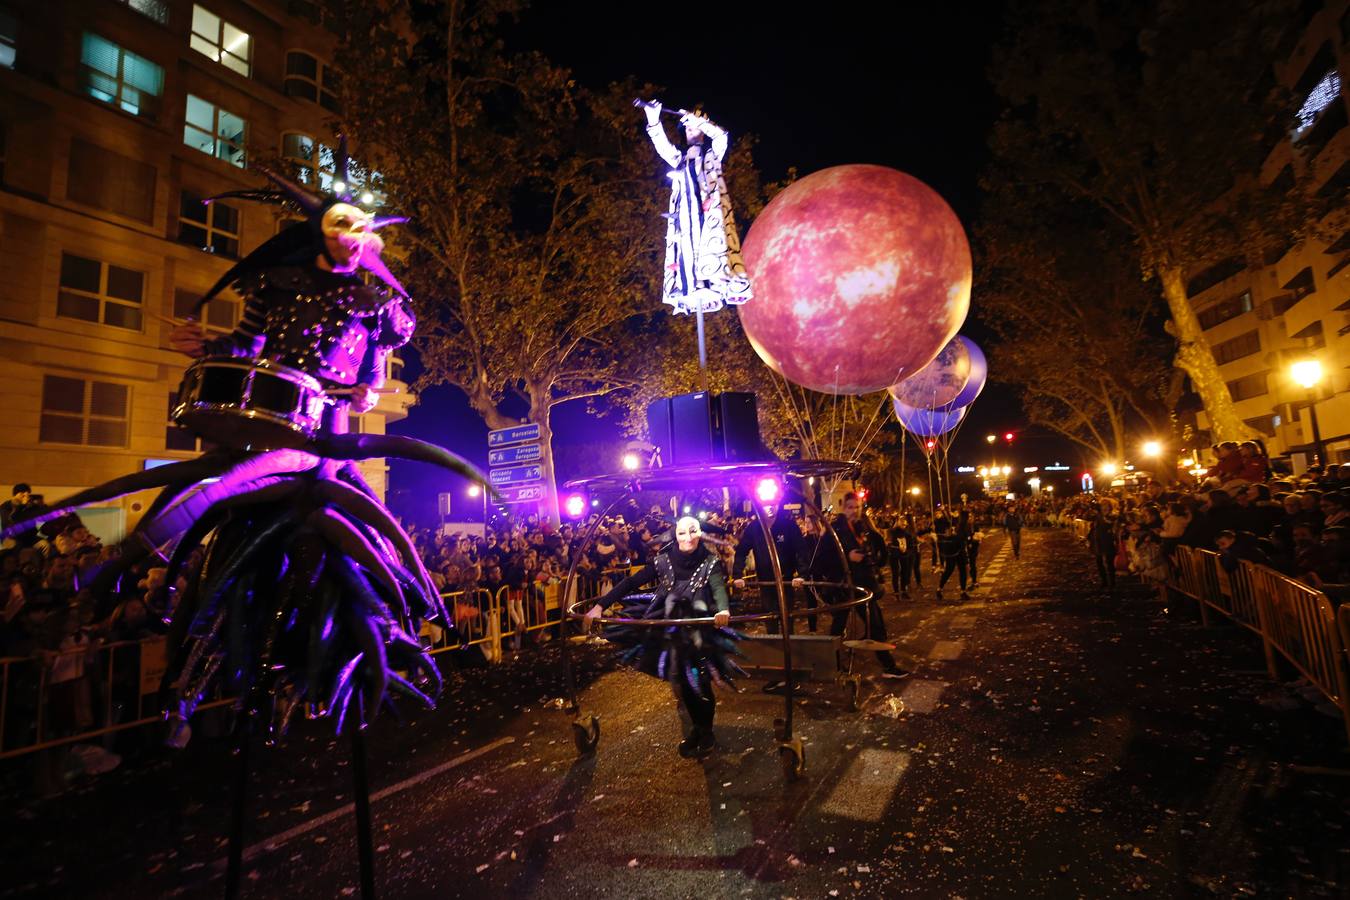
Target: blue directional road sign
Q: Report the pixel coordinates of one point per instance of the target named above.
(525, 493)
(522, 454)
(515, 475)
(517, 434)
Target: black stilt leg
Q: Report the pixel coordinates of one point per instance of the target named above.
(235, 864)
(361, 789)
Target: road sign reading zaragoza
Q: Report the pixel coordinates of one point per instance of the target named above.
(507, 456)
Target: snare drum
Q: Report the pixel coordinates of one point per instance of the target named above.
(250, 404)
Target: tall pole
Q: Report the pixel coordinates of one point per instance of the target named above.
(1316, 429)
(702, 348)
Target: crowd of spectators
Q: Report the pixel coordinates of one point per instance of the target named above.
(1240, 508)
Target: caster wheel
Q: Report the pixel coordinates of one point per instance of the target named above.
(586, 734)
(792, 755)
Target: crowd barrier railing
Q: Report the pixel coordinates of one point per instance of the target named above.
(69, 696)
(1295, 622)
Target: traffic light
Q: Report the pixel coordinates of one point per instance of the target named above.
(930, 444)
(1008, 437)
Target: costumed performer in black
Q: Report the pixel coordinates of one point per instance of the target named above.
(690, 584)
(861, 545)
(311, 593)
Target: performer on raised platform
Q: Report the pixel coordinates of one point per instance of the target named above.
(703, 269)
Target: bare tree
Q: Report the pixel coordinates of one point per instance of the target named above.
(1160, 114)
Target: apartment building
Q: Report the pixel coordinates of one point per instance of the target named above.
(1296, 305)
(116, 118)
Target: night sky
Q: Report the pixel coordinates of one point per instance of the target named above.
(835, 85)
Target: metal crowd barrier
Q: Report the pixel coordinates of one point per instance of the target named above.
(114, 687)
(72, 696)
(1294, 621)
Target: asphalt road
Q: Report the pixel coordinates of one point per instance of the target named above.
(1052, 742)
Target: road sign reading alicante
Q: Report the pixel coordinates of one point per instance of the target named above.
(515, 475)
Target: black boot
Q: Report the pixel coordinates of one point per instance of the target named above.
(689, 746)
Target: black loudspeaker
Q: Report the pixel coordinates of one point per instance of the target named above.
(738, 421)
(703, 428)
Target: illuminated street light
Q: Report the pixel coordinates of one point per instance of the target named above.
(475, 490)
(1050, 488)
(991, 438)
(984, 471)
(631, 461)
(1007, 470)
(1152, 449)
(1308, 374)
(915, 491)
(1109, 468)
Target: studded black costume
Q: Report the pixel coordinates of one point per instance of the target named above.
(688, 585)
(326, 324)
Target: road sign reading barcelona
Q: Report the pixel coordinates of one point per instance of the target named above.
(509, 455)
(516, 434)
(515, 475)
(525, 493)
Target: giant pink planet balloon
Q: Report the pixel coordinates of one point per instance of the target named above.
(861, 275)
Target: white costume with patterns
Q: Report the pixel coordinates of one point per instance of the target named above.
(703, 252)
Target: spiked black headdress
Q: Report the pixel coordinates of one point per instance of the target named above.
(301, 242)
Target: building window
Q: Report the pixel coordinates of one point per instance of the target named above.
(1228, 309)
(9, 38)
(119, 77)
(151, 9)
(95, 291)
(213, 227)
(215, 131)
(309, 78)
(314, 162)
(1249, 386)
(75, 411)
(1322, 95)
(221, 314)
(311, 159)
(225, 43)
(1238, 347)
(175, 436)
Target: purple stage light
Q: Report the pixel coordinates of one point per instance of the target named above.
(767, 490)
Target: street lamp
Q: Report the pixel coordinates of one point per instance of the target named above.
(631, 461)
(1308, 373)
(1109, 468)
(915, 491)
(1152, 449)
(476, 490)
(991, 438)
(1007, 470)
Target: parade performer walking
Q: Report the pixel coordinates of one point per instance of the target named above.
(703, 270)
(690, 584)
